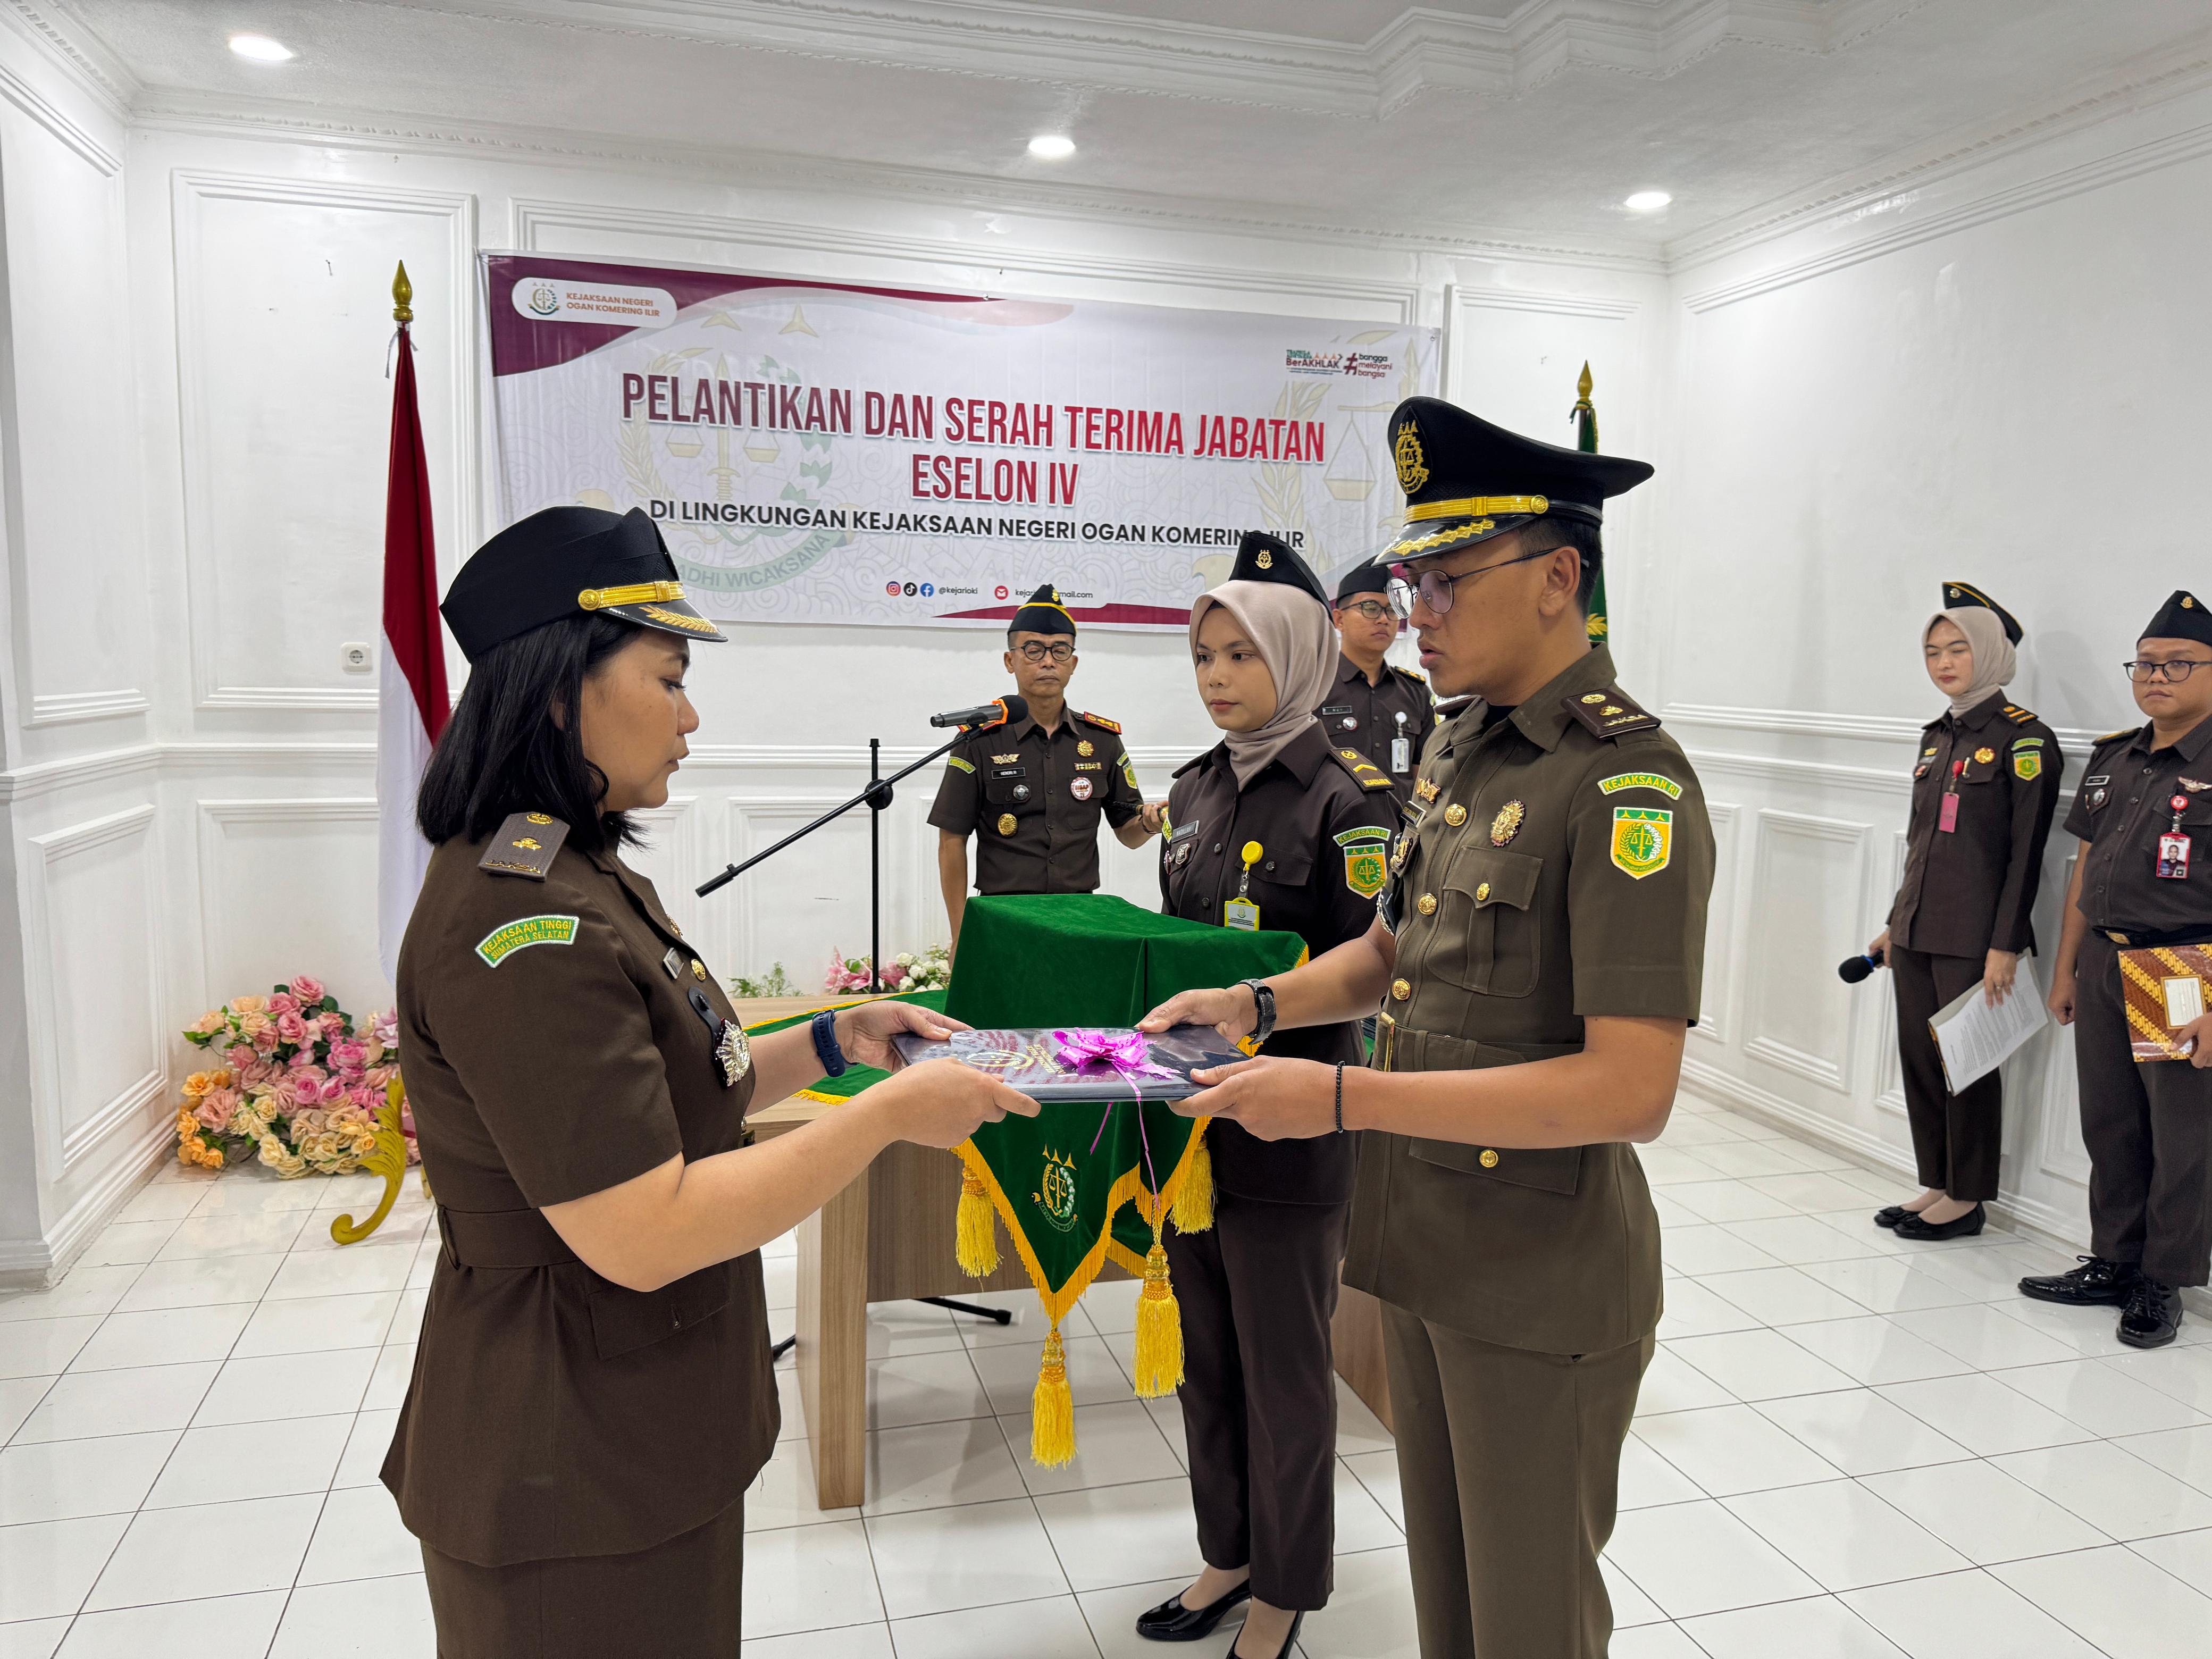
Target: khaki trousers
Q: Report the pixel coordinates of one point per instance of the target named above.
(1510, 1463)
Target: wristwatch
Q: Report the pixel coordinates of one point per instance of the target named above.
(825, 1044)
(1263, 999)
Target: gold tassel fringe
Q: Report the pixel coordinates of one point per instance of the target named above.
(976, 1242)
(1052, 1422)
(1159, 1329)
(1193, 1206)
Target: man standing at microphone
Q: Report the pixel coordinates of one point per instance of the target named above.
(1031, 791)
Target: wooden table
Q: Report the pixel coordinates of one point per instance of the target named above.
(889, 1236)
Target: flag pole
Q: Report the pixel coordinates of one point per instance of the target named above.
(1584, 416)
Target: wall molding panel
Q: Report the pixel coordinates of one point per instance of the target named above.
(64, 707)
(1716, 1002)
(1770, 978)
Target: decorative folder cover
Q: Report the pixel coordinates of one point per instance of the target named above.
(1083, 1063)
(2165, 988)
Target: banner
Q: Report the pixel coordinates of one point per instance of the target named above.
(828, 453)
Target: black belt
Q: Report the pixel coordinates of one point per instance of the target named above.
(2145, 941)
(501, 1238)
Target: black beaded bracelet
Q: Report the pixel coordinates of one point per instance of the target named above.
(1340, 1099)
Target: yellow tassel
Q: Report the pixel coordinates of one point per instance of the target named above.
(977, 1244)
(1193, 1206)
(1159, 1329)
(1051, 1421)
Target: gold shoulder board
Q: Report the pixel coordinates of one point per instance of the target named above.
(1609, 713)
(1101, 722)
(524, 846)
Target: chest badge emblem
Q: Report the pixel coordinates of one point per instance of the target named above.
(1455, 814)
(1004, 759)
(1426, 789)
(735, 1054)
(1007, 824)
(1507, 824)
(1085, 749)
(1984, 757)
(1080, 788)
(2191, 785)
(1643, 840)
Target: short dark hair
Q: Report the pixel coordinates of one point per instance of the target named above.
(504, 752)
(1557, 529)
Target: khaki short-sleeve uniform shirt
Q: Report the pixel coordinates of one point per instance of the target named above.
(1555, 866)
(553, 1044)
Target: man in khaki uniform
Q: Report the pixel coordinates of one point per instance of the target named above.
(1546, 913)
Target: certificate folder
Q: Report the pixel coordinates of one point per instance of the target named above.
(1026, 1060)
(2164, 988)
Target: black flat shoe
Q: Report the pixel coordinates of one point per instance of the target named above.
(2153, 1315)
(2096, 1282)
(1891, 1216)
(1289, 1642)
(1965, 1226)
(1171, 1621)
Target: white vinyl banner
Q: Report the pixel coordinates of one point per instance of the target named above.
(821, 452)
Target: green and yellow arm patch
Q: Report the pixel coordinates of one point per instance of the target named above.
(503, 942)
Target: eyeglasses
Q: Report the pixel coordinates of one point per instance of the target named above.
(1033, 652)
(1373, 610)
(1435, 588)
(2180, 668)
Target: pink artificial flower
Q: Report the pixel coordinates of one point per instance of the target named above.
(377, 1076)
(284, 1003)
(253, 1023)
(290, 1027)
(255, 1073)
(242, 1056)
(217, 1107)
(348, 1056)
(265, 1040)
(309, 991)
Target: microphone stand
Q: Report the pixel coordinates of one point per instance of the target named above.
(876, 797)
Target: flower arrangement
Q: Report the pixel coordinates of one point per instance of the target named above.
(929, 970)
(774, 983)
(298, 1086)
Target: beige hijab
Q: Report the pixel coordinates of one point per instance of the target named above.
(1995, 662)
(1295, 640)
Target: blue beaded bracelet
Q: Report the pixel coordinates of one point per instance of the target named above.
(825, 1045)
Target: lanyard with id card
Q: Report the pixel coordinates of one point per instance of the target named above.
(1240, 912)
(2174, 846)
(1401, 747)
(1948, 818)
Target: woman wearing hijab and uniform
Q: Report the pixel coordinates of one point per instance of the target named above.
(1273, 828)
(1983, 791)
(592, 1393)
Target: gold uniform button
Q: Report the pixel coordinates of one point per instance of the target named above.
(1489, 1158)
(1401, 988)
(1481, 891)
(1428, 904)
(1455, 814)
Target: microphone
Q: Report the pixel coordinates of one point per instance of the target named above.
(1008, 709)
(1855, 968)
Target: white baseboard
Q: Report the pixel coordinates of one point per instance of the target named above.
(38, 1262)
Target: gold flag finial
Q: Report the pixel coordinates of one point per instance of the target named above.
(402, 298)
(1582, 386)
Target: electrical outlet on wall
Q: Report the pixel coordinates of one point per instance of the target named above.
(356, 658)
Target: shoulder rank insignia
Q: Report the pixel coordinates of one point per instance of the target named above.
(1413, 674)
(1100, 721)
(2018, 716)
(1609, 713)
(525, 845)
(2114, 737)
(1364, 772)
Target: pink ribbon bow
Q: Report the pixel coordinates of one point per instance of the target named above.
(1127, 1052)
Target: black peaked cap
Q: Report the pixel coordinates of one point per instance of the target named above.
(1042, 612)
(2181, 618)
(1466, 480)
(568, 562)
(1959, 596)
(1264, 558)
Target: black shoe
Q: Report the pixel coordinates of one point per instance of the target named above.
(2095, 1283)
(1289, 1642)
(1891, 1216)
(2152, 1316)
(1171, 1621)
(1965, 1226)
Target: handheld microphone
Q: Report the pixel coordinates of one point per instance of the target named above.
(1007, 709)
(1855, 968)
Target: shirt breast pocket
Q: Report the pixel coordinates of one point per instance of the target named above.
(1286, 873)
(1978, 770)
(1013, 789)
(1487, 932)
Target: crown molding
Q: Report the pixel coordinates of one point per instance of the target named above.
(177, 109)
(1421, 51)
(72, 46)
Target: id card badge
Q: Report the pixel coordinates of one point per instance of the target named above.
(2173, 858)
(1948, 819)
(1241, 915)
(1401, 755)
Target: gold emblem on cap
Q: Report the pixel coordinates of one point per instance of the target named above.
(1264, 559)
(1406, 454)
(599, 598)
(1455, 814)
(1507, 824)
(1985, 755)
(1401, 989)
(1005, 823)
(1084, 748)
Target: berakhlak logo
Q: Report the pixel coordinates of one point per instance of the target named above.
(1000, 592)
(891, 588)
(929, 590)
(909, 590)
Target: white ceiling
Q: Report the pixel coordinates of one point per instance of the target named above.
(1465, 119)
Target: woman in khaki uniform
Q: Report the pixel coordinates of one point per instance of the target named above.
(592, 1394)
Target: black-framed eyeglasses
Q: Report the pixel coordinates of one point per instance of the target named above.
(2143, 672)
(1435, 588)
(1373, 610)
(1035, 650)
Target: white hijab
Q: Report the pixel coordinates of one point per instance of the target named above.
(1995, 660)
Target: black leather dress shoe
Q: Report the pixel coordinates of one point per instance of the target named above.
(2152, 1316)
(2095, 1283)
(1289, 1642)
(1171, 1621)
(1891, 1216)
(1965, 1226)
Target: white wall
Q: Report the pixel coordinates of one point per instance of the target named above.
(235, 448)
(1999, 377)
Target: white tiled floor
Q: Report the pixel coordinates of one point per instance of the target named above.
(1848, 1448)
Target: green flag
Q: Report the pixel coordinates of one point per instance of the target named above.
(1584, 416)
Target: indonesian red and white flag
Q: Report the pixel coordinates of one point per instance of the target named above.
(411, 705)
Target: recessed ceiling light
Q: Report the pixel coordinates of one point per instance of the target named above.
(1647, 201)
(1051, 146)
(260, 48)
